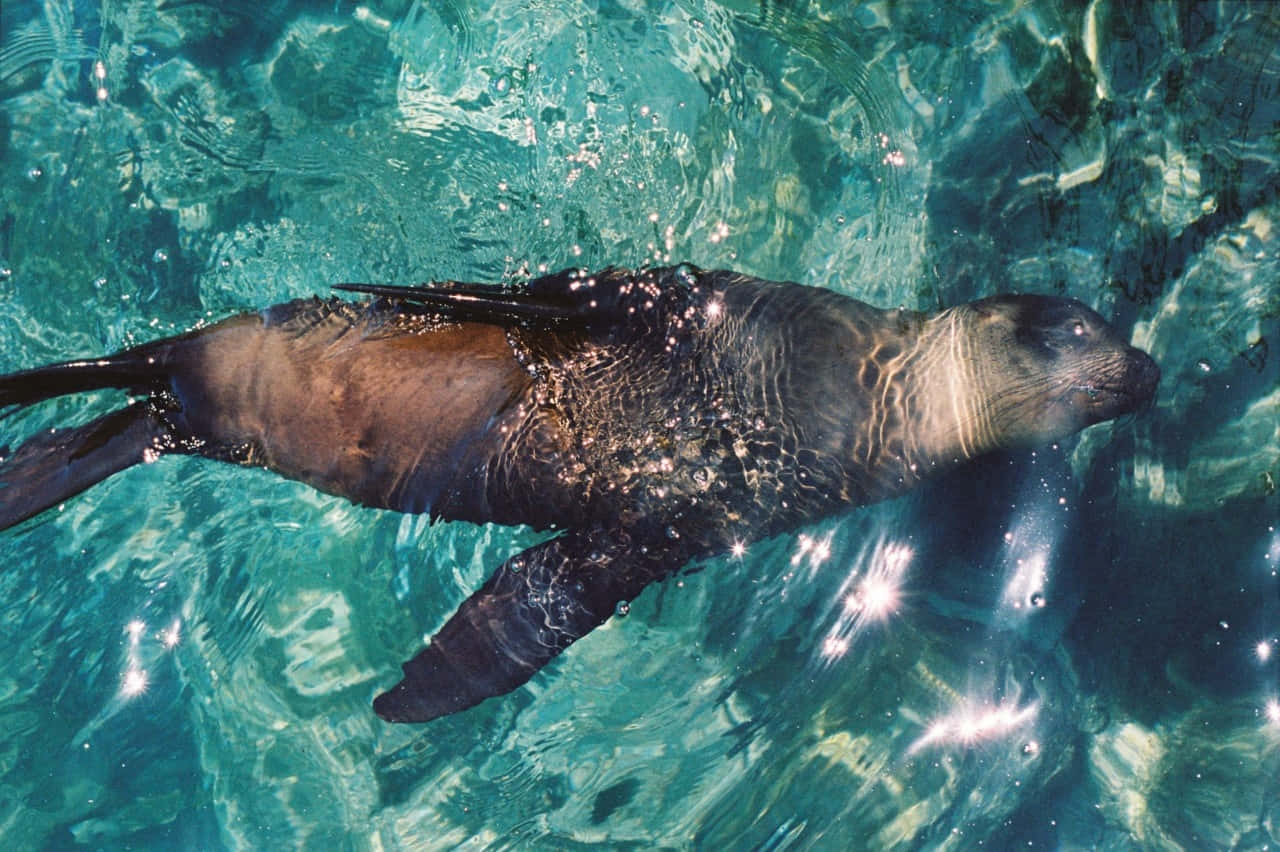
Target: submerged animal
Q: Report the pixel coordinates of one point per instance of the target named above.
(651, 418)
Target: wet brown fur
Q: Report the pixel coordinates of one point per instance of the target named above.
(653, 417)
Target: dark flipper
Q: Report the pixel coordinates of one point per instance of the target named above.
(596, 301)
(536, 605)
(135, 369)
(54, 466)
(475, 302)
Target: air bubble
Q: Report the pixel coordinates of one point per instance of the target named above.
(622, 609)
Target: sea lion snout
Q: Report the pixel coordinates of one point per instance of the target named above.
(1143, 378)
(1053, 366)
(1125, 389)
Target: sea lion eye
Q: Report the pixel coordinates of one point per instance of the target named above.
(1054, 335)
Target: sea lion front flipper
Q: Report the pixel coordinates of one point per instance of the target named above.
(536, 605)
(475, 302)
(569, 298)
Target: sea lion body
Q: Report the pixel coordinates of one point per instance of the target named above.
(652, 417)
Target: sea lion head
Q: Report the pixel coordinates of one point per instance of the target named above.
(1044, 367)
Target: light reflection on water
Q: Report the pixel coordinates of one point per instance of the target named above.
(142, 653)
(968, 725)
(190, 651)
(870, 594)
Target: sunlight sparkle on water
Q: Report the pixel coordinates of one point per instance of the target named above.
(875, 596)
(803, 543)
(1272, 711)
(135, 683)
(1272, 556)
(1027, 581)
(834, 646)
(173, 635)
(100, 79)
(817, 549)
(970, 725)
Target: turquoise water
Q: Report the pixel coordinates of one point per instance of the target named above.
(1085, 647)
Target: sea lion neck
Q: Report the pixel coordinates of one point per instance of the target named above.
(948, 418)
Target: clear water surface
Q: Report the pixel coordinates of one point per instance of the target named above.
(1084, 650)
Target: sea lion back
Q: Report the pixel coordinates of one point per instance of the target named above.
(388, 408)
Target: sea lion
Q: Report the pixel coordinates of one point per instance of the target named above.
(650, 417)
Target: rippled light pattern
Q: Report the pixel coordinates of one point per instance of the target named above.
(168, 159)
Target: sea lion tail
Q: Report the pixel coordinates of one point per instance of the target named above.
(57, 464)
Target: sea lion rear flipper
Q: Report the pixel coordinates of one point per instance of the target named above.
(536, 605)
(58, 464)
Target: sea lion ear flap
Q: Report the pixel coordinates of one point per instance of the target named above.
(536, 605)
(992, 307)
